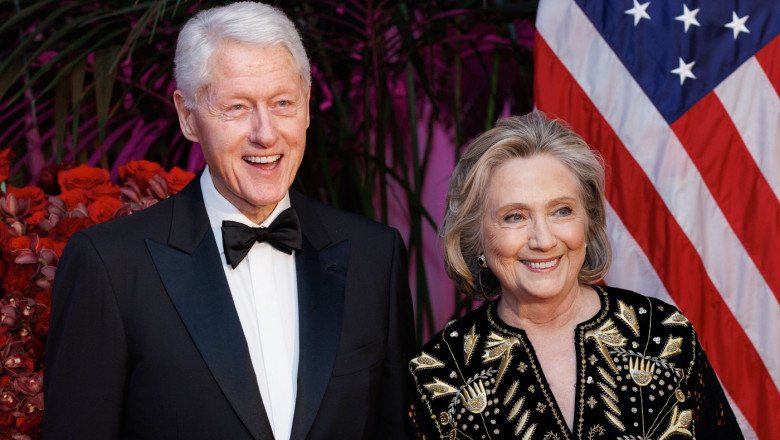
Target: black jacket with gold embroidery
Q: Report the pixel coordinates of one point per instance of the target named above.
(641, 375)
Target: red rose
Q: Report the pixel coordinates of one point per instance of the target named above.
(47, 179)
(5, 163)
(73, 197)
(177, 179)
(19, 243)
(105, 189)
(36, 217)
(83, 177)
(66, 227)
(19, 278)
(103, 209)
(140, 172)
(33, 194)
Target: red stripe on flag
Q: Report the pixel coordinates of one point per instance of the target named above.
(735, 181)
(769, 59)
(656, 231)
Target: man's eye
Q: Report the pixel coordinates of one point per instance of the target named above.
(564, 211)
(283, 103)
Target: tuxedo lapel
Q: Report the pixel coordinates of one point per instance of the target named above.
(321, 270)
(191, 270)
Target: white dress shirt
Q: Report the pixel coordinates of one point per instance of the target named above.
(265, 292)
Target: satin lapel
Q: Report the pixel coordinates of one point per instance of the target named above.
(322, 270)
(190, 268)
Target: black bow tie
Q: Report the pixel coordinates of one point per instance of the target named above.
(284, 233)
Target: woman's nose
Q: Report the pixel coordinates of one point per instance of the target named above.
(541, 236)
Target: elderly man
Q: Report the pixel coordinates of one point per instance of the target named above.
(237, 309)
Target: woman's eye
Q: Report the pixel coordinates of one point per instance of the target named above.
(513, 217)
(564, 211)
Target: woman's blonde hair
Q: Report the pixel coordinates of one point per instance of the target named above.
(518, 137)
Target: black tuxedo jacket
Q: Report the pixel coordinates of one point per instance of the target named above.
(145, 342)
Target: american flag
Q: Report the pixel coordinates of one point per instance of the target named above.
(681, 99)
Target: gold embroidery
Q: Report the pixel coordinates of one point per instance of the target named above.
(679, 395)
(425, 361)
(605, 335)
(469, 342)
(502, 369)
(444, 418)
(608, 392)
(516, 408)
(611, 404)
(626, 313)
(672, 347)
(675, 318)
(474, 397)
(607, 377)
(521, 423)
(498, 346)
(641, 370)
(437, 388)
(678, 424)
(597, 429)
(615, 421)
(530, 432)
(511, 392)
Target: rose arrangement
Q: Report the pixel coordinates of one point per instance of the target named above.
(35, 224)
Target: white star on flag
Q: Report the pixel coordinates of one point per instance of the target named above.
(684, 70)
(737, 24)
(688, 17)
(639, 11)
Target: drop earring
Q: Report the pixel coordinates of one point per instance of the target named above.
(482, 260)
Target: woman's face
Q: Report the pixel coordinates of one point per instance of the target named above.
(533, 228)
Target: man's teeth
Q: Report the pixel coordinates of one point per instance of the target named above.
(545, 265)
(262, 159)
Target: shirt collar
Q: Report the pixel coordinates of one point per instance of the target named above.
(220, 209)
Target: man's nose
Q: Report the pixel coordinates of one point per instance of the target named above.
(263, 131)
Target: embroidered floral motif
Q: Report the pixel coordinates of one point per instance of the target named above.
(437, 388)
(516, 409)
(607, 335)
(424, 360)
(591, 402)
(511, 392)
(595, 430)
(678, 424)
(676, 318)
(469, 343)
(626, 313)
(672, 347)
(521, 367)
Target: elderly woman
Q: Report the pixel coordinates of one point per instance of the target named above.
(550, 355)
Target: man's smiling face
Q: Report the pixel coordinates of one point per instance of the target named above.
(251, 122)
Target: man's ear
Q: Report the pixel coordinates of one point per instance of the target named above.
(185, 117)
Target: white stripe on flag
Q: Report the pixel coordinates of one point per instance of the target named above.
(754, 106)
